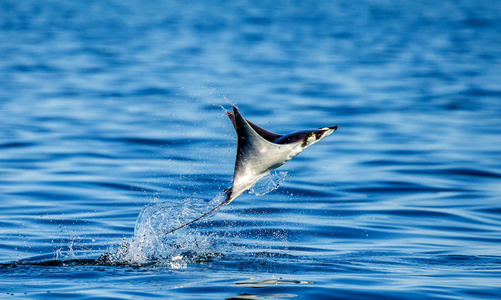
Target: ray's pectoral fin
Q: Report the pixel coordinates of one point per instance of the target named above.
(267, 135)
(259, 151)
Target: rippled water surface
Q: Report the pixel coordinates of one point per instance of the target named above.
(111, 130)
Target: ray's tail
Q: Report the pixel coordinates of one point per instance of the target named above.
(227, 195)
(201, 217)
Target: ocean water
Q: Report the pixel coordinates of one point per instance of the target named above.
(112, 131)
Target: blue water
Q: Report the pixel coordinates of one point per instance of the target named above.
(111, 107)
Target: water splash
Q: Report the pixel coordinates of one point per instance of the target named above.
(62, 254)
(268, 183)
(150, 244)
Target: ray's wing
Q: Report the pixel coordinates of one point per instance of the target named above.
(256, 155)
(267, 135)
